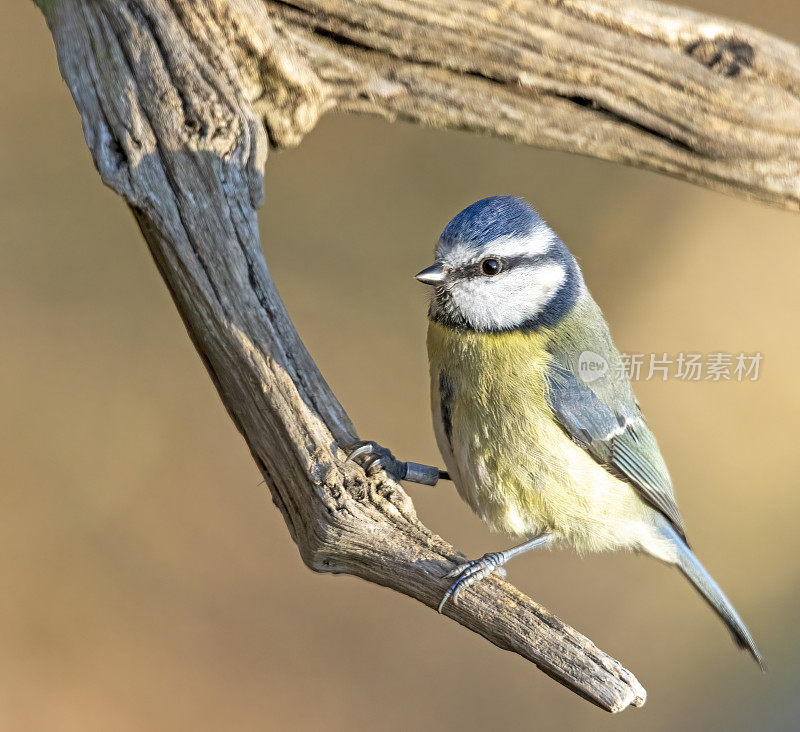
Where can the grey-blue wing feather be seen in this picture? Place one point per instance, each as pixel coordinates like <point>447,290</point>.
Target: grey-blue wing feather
<point>615,435</point>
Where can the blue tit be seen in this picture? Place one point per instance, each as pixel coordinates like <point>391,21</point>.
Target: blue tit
<point>537,444</point>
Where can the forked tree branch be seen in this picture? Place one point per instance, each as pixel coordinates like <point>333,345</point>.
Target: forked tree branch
<point>180,99</point>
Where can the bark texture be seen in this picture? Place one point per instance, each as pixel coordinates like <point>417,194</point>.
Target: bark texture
<point>180,100</point>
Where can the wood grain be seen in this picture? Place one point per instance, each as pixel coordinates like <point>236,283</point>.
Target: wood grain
<point>701,98</point>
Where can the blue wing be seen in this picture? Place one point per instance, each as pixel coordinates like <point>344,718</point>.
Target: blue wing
<point>616,436</point>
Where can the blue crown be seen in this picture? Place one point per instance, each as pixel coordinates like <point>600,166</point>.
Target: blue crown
<point>489,219</point>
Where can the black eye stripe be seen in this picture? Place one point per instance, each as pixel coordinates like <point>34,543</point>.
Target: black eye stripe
<point>521,260</point>
<point>475,269</point>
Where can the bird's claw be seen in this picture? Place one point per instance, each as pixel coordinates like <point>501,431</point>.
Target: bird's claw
<point>470,572</point>
<point>372,457</point>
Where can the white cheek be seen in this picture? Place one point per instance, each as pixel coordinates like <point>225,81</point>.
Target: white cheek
<point>510,298</point>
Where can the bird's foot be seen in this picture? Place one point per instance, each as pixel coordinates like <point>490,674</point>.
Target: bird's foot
<point>470,572</point>
<point>372,458</point>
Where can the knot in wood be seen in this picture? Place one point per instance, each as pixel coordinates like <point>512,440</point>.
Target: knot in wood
<point>727,56</point>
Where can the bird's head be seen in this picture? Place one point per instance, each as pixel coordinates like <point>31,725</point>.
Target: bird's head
<point>500,267</point>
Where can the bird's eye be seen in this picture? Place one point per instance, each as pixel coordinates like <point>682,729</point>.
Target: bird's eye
<point>490,266</point>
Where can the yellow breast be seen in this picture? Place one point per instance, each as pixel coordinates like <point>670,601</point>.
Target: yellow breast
<point>508,456</point>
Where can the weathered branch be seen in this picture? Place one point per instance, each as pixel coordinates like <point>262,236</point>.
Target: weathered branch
<point>178,98</point>
<point>702,98</point>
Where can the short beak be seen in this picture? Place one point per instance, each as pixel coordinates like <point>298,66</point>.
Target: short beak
<point>433,275</point>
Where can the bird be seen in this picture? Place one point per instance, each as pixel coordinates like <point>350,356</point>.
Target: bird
<point>533,410</point>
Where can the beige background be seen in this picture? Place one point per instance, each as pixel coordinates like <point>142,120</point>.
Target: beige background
<point>148,582</point>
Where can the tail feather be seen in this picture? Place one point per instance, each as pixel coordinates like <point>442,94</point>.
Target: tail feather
<point>714,596</point>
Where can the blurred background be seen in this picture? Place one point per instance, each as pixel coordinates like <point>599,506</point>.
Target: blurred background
<point>149,583</point>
